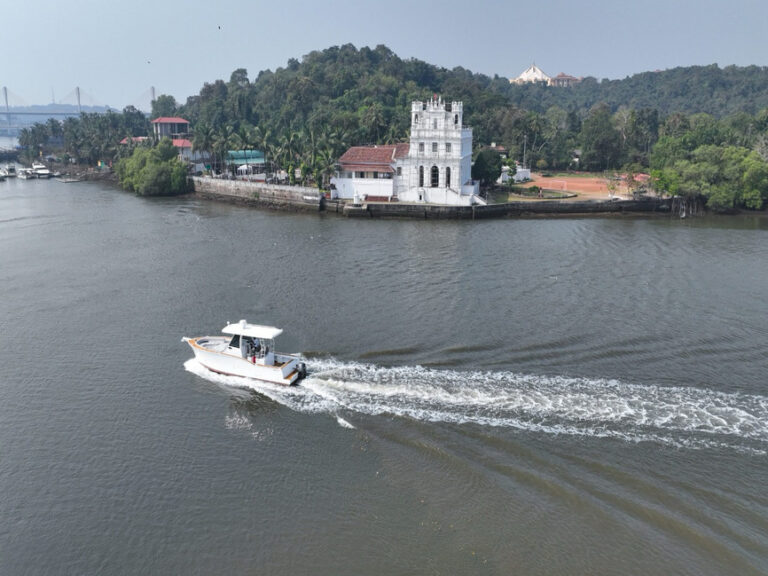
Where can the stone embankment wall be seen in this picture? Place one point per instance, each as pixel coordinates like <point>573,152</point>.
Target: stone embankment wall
<point>512,209</point>
<point>294,198</point>
<point>272,196</point>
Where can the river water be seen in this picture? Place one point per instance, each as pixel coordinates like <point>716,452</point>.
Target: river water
<point>540,396</point>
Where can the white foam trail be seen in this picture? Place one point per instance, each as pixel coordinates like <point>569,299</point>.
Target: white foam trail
<point>676,416</point>
<point>343,423</point>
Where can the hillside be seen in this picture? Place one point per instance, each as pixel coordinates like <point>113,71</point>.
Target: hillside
<point>690,90</point>
<point>367,92</point>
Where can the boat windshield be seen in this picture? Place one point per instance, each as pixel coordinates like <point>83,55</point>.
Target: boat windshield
<point>235,342</point>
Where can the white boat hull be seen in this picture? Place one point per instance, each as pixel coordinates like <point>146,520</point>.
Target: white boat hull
<point>211,352</point>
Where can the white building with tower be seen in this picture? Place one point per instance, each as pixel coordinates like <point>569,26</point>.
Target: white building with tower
<point>434,168</point>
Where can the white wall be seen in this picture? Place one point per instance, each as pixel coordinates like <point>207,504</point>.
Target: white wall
<point>439,196</point>
<point>346,187</point>
<point>522,174</point>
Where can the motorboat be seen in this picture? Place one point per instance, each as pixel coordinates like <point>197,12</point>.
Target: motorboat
<point>26,173</point>
<point>9,171</point>
<point>248,350</point>
<point>41,170</point>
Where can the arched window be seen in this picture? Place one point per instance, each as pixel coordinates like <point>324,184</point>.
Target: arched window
<point>421,176</point>
<point>415,118</point>
<point>434,124</point>
<point>455,118</point>
<point>447,177</point>
<point>434,177</point>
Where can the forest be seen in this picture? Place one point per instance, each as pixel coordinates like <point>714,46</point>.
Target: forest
<point>699,131</point>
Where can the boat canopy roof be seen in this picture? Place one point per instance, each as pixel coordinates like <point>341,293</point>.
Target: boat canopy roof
<point>253,330</point>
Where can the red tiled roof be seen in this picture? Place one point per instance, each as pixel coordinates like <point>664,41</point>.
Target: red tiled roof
<point>367,167</point>
<point>182,143</point>
<point>132,139</point>
<point>170,120</point>
<point>368,155</point>
<point>373,158</point>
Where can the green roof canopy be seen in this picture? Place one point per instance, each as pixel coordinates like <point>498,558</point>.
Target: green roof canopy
<point>240,157</point>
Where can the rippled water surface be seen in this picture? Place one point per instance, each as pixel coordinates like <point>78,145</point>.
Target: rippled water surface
<point>564,396</point>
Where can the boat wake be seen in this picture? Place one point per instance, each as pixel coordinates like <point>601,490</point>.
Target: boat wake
<point>602,408</point>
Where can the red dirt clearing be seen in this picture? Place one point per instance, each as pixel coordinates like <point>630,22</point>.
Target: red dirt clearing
<point>585,187</point>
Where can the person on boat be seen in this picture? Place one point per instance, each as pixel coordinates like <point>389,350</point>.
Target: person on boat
<point>246,346</point>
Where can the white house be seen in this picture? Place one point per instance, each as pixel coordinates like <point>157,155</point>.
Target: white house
<point>170,127</point>
<point>434,168</point>
<point>368,172</point>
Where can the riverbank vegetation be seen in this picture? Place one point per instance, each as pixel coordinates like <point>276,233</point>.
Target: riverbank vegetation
<point>153,170</point>
<point>700,131</point>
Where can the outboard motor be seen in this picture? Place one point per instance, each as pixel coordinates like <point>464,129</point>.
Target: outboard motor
<point>302,370</point>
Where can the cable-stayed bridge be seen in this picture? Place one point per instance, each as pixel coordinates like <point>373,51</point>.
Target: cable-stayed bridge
<point>16,113</point>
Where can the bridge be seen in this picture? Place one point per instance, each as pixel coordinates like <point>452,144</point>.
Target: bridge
<point>18,114</point>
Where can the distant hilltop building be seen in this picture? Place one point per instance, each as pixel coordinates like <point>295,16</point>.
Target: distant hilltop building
<point>534,74</point>
<point>563,80</point>
<point>531,75</point>
<point>434,168</point>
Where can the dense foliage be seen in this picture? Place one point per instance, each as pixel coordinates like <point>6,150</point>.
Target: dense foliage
<point>694,89</point>
<point>153,170</point>
<point>701,130</point>
<point>487,166</point>
<point>90,137</point>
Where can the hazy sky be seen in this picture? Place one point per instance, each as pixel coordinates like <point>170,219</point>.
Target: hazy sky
<point>114,51</point>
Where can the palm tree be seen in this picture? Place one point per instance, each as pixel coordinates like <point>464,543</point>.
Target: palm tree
<point>203,138</point>
<point>237,142</point>
<point>373,119</point>
<point>325,166</point>
<point>277,153</point>
<point>394,135</point>
<point>221,142</point>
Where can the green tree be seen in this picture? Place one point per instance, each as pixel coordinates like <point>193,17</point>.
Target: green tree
<point>153,171</point>
<point>164,106</point>
<point>600,140</point>
<point>487,166</point>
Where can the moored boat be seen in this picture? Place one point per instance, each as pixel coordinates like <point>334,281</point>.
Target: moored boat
<point>10,171</point>
<point>26,173</point>
<point>41,170</point>
<point>247,350</point>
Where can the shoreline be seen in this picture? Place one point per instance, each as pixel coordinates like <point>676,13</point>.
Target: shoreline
<point>301,199</point>
<point>298,198</point>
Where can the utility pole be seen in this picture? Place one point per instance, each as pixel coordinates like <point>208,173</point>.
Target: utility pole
<point>525,144</point>
<point>7,109</point>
